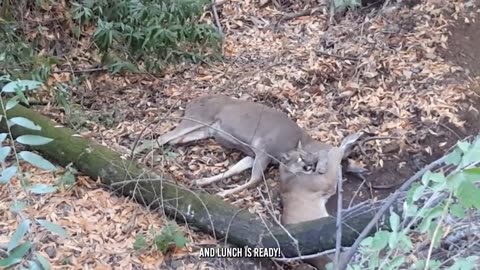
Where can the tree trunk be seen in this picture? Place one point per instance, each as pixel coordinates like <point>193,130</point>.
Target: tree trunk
<point>156,189</point>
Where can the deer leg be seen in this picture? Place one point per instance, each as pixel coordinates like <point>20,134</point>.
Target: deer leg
<point>242,165</point>
<point>187,129</point>
<point>199,134</point>
<point>259,165</point>
<point>349,142</point>
<point>184,129</point>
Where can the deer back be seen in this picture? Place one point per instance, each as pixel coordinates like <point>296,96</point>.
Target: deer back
<point>205,109</point>
<point>235,123</point>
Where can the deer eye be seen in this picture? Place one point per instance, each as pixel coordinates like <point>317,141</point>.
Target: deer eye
<point>307,168</point>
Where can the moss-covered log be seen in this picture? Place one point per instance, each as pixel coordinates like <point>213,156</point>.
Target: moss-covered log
<point>207,212</point>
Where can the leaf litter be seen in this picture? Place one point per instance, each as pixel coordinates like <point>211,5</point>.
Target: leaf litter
<point>377,71</point>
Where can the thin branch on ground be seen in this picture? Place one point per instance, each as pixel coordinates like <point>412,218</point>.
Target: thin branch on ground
<point>86,70</point>
<point>338,244</point>
<point>230,224</point>
<point>306,12</point>
<point>332,12</point>
<point>137,140</point>
<point>451,130</point>
<point>437,228</point>
<point>306,257</point>
<point>215,16</point>
<point>357,191</point>
<point>276,221</point>
<point>318,52</point>
<point>362,142</point>
<point>217,3</point>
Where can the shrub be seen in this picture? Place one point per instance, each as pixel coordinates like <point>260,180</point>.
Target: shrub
<point>154,32</point>
<point>443,206</point>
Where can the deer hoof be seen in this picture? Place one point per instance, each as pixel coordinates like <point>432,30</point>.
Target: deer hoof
<point>199,182</point>
<point>223,194</point>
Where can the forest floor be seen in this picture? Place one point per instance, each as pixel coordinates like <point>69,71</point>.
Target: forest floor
<point>408,74</point>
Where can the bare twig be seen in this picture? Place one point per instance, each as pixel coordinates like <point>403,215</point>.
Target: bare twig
<point>437,228</point>
<point>230,224</point>
<point>338,244</point>
<point>332,11</point>
<point>379,138</point>
<point>348,256</point>
<point>361,143</point>
<point>355,194</point>
<point>386,187</point>
<point>294,240</point>
<point>87,70</point>
<point>306,257</point>
<point>318,52</point>
<point>306,12</point>
<point>230,64</point>
<point>217,3</point>
<point>169,112</point>
<point>215,15</point>
<point>451,130</point>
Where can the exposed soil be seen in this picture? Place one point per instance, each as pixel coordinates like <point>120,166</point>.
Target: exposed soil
<point>432,134</point>
<point>463,50</point>
<point>430,138</point>
<point>389,72</point>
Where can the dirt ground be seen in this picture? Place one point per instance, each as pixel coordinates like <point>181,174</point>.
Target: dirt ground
<point>390,73</point>
<point>390,162</point>
<point>463,50</point>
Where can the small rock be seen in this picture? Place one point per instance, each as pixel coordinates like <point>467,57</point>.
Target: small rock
<point>51,252</point>
<point>391,148</point>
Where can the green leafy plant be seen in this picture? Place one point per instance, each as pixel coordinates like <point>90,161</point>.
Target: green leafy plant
<point>21,246</point>
<point>448,194</point>
<point>169,237</point>
<point>155,32</point>
<point>68,177</point>
<point>131,35</point>
<point>344,4</point>
<point>19,58</point>
<point>140,242</point>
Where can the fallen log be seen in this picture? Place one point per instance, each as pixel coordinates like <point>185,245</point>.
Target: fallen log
<point>201,210</point>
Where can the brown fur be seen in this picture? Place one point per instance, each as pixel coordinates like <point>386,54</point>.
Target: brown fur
<point>264,134</point>
<point>308,173</point>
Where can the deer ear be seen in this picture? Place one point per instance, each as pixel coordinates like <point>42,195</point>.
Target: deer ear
<point>322,165</point>
<point>322,161</point>
<point>299,145</point>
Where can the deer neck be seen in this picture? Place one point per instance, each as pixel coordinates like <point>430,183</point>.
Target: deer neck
<point>306,140</point>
